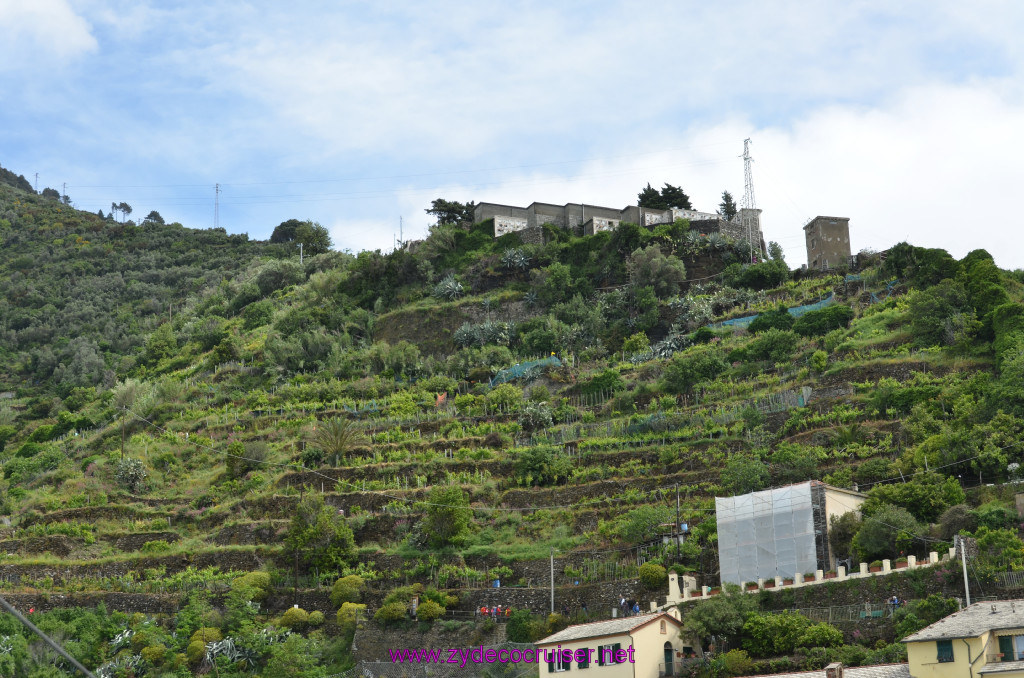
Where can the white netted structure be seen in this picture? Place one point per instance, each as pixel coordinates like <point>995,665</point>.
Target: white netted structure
<point>774,533</point>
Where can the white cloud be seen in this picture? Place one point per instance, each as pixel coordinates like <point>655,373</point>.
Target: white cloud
<point>935,166</point>
<point>41,31</point>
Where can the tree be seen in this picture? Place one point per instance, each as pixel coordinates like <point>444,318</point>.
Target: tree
<point>314,238</point>
<point>318,537</point>
<point>335,437</point>
<point>673,196</point>
<point>294,658</point>
<point>51,193</point>
<point>649,197</point>
<point>670,196</point>
<point>153,218</point>
<point>775,251</point>
<point>887,532</point>
<point>841,531</point>
<point>722,615</point>
<point>447,516</point>
<point>942,315</point>
<point>649,267</point>
<point>743,474</point>
<point>451,212</point>
<point>285,231</point>
<point>727,207</point>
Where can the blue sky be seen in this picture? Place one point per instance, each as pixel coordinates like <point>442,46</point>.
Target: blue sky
<point>905,117</point>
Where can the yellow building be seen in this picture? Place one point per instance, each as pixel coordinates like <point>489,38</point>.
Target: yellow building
<point>985,639</point>
<point>644,646</point>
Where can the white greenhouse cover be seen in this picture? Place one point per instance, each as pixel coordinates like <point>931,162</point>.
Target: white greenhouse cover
<point>766,534</point>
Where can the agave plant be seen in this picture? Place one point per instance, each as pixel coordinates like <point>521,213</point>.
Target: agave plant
<point>448,288</point>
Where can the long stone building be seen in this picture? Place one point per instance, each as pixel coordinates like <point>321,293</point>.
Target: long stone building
<point>584,219</point>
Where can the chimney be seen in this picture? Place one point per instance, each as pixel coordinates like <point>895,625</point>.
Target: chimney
<point>834,670</point>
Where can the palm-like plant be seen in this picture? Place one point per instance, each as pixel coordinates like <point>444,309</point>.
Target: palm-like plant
<point>335,437</point>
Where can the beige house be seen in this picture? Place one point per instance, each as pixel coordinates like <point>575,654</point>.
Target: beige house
<point>645,646</point>
<point>985,639</point>
<point>839,671</point>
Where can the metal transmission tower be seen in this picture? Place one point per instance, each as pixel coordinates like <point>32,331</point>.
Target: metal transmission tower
<point>216,205</point>
<point>750,203</point>
<point>748,177</point>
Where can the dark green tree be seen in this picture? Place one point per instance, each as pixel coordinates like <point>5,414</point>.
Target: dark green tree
<point>649,197</point>
<point>447,516</point>
<point>727,207</point>
<point>451,211</point>
<point>153,218</point>
<point>313,237</point>
<point>318,537</point>
<point>285,231</point>
<point>673,196</point>
<point>743,474</point>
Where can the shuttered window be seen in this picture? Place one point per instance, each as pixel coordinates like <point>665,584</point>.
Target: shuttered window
<point>945,650</point>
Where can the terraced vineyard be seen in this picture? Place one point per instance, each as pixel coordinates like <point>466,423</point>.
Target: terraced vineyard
<point>328,435</point>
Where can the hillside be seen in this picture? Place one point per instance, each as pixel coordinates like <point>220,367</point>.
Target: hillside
<point>202,432</point>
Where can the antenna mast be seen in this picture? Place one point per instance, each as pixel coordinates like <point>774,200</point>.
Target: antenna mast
<point>216,205</point>
<point>749,202</point>
<point>748,178</point>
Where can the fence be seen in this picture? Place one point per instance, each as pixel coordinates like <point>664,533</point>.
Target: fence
<point>1010,580</point>
<point>796,312</point>
<point>849,612</point>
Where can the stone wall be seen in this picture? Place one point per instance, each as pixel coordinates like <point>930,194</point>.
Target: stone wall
<point>371,642</point>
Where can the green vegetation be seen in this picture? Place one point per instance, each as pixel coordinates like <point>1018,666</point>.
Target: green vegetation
<point>196,416</point>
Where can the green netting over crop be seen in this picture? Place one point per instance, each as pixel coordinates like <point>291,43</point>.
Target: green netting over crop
<point>796,312</point>
<point>520,369</point>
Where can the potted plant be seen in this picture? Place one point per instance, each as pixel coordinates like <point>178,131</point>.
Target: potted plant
<point>901,562</point>
<point>875,566</point>
<point>787,581</point>
<point>770,584</point>
<point>715,590</point>
<point>831,574</point>
<point>809,576</point>
<point>751,586</point>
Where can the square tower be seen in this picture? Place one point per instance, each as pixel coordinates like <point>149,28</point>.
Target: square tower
<point>828,242</point>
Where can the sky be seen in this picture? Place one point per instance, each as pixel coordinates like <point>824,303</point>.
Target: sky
<point>907,117</point>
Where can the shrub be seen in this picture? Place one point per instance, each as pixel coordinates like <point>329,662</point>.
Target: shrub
<point>821,322</point>
<point>700,363</point>
<point>316,618</point>
<point>295,618</point>
<point>196,651</point>
<point>770,635</point>
<point>319,537</point>
<point>347,590</point>
<point>608,380</point>
<point>257,314</point>
<point>736,663</point>
<point>652,576</point>
<point>820,635</point>
<point>390,613</point>
<point>156,546</point>
<point>130,473</point>
<point>207,634</point>
<point>257,583</point>
<point>773,345</point>
<point>778,319</point>
<point>154,654</point>
<point>819,361</point>
<point>428,611</point>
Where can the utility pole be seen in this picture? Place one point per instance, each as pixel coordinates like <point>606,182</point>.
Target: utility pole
<point>300,254</point>
<point>37,182</point>
<point>679,527</point>
<point>552,580</point>
<point>123,413</point>
<point>216,205</point>
<point>64,194</point>
<point>963,560</point>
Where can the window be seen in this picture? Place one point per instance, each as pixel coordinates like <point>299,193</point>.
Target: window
<point>945,650</point>
<point>558,662</point>
<point>585,661</point>
<point>606,654</point>
<point>663,626</point>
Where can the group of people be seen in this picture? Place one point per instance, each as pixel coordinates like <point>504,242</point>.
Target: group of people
<point>629,607</point>
<point>494,611</point>
<point>893,603</point>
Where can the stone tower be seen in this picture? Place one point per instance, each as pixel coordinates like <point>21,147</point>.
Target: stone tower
<point>828,242</point>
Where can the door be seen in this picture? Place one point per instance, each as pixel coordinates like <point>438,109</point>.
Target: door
<point>669,654</point>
